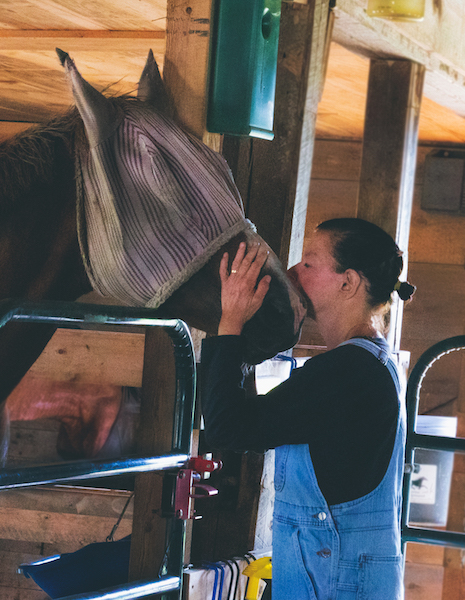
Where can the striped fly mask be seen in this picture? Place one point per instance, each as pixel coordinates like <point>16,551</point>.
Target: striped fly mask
<point>153,203</point>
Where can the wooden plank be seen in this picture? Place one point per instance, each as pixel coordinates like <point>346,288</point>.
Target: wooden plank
<point>435,238</point>
<point>10,562</point>
<point>389,157</point>
<point>453,586</point>
<point>228,523</point>
<point>333,198</point>
<point>120,42</point>
<point>12,594</point>
<point>92,356</point>
<point>72,500</point>
<point>33,442</point>
<point>339,160</point>
<point>8,130</point>
<point>424,554</point>
<point>68,14</point>
<point>34,87</point>
<point>32,34</point>
<point>53,527</point>
<point>423,582</point>
<point>36,548</point>
<point>148,542</point>
<point>274,177</point>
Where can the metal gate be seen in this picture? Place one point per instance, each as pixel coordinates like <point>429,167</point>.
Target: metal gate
<point>430,442</point>
<point>73,315</point>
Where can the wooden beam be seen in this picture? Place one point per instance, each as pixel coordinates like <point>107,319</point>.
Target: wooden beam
<point>92,357</point>
<point>437,43</point>
<point>68,499</point>
<point>185,73</point>
<point>133,44</point>
<point>390,146</point>
<point>389,156</point>
<point>148,542</point>
<point>9,129</point>
<point>54,527</point>
<point>33,34</point>
<point>274,177</point>
<point>186,65</point>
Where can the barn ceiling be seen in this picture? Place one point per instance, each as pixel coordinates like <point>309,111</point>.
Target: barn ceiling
<point>110,39</point>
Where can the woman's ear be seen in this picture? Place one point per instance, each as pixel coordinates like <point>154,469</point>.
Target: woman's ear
<point>351,282</point>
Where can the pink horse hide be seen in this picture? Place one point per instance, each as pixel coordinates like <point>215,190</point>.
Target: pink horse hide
<point>97,420</point>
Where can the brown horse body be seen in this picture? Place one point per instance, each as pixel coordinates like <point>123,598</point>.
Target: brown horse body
<point>40,257</point>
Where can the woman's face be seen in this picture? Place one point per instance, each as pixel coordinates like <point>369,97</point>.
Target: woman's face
<point>316,275</point>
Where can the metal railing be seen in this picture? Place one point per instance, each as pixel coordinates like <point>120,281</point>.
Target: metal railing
<point>428,442</point>
<point>73,315</point>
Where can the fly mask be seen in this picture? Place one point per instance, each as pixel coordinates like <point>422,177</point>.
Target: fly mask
<point>154,203</point>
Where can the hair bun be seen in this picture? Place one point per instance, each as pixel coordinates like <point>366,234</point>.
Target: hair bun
<point>405,290</point>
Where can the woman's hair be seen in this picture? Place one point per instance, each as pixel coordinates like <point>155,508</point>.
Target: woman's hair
<point>367,249</point>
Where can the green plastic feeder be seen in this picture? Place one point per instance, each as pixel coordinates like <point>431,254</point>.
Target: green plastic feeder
<point>243,56</point>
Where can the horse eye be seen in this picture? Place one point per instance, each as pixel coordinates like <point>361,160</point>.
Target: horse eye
<point>306,265</point>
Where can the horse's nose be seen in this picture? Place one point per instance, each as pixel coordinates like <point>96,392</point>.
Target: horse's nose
<point>293,276</point>
<point>298,302</point>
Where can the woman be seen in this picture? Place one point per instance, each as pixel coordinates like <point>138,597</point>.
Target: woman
<point>336,423</point>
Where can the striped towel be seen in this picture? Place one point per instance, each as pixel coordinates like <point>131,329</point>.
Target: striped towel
<point>154,204</point>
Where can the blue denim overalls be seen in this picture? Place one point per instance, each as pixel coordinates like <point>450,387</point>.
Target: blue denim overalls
<point>348,551</point>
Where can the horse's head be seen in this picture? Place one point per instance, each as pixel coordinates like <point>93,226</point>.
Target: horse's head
<point>156,206</point>
<point>276,326</point>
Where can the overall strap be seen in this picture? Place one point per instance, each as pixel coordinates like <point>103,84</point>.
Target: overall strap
<point>382,354</point>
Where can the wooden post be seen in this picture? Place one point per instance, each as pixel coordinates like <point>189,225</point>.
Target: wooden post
<point>186,64</point>
<point>148,541</point>
<point>185,76</point>
<point>274,177</point>
<point>389,156</point>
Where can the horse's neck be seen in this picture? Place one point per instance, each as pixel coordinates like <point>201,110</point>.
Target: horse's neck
<point>39,253</point>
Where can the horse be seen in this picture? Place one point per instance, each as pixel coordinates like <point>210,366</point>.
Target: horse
<point>67,187</point>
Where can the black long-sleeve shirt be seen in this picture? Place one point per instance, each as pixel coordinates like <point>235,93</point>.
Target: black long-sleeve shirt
<point>343,404</point>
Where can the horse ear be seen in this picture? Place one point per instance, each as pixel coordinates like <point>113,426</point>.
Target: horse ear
<point>100,116</point>
<point>152,89</point>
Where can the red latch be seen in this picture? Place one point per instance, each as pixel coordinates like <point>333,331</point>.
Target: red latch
<point>202,465</point>
<point>189,485</point>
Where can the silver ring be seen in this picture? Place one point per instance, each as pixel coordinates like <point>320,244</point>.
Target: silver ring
<point>233,271</point>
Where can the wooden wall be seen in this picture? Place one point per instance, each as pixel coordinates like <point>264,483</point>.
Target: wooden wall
<point>436,254</point>
<point>42,521</point>
<point>67,519</point>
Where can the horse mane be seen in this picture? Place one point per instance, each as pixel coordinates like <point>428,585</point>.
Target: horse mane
<point>29,158</point>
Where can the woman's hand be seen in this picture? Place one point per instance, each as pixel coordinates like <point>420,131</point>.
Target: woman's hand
<point>241,297</point>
